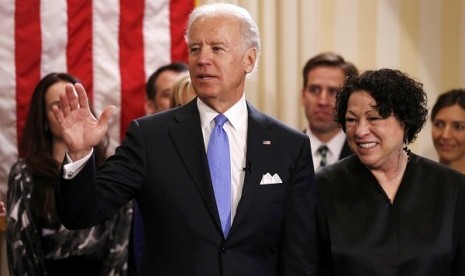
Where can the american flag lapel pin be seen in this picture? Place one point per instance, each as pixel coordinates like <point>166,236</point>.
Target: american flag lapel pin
<point>266,142</point>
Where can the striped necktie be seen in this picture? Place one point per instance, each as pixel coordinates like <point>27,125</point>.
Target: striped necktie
<point>323,151</point>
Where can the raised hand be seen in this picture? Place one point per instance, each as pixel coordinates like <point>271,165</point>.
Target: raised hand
<point>80,129</point>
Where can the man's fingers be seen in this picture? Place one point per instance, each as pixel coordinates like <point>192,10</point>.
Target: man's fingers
<point>64,103</point>
<point>106,114</point>
<point>58,114</point>
<point>75,97</point>
<point>72,97</point>
<point>82,95</point>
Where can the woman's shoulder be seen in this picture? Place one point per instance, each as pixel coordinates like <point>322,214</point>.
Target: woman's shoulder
<point>19,172</point>
<point>433,168</point>
<point>17,169</point>
<point>19,164</point>
<point>436,173</point>
<point>348,171</point>
<point>342,168</point>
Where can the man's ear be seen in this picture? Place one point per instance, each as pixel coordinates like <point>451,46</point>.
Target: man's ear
<point>302,95</point>
<point>249,59</point>
<point>149,106</point>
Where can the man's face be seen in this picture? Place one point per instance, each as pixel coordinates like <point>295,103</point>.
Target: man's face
<point>218,61</point>
<point>319,99</point>
<point>163,85</point>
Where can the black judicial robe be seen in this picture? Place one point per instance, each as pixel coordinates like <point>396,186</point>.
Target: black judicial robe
<point>421,233</point>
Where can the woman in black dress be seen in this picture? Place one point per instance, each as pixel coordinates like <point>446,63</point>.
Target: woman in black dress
<point>37,242</point>
<point>385,210</point>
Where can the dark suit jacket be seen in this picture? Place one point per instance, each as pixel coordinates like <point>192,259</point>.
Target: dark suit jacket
<point>162,163</point>
<point>345,151</point>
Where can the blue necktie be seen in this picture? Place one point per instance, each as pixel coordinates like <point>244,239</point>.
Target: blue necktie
<point>219,163</point>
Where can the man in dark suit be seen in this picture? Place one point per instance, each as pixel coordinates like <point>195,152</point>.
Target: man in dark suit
<point>157,99</point>
<point>167,162</point>
<point>323,76</point>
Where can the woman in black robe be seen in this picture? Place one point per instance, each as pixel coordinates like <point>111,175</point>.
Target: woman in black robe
<point>385,210</point>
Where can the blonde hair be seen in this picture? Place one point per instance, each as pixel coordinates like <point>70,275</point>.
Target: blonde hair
<point>182,92</point>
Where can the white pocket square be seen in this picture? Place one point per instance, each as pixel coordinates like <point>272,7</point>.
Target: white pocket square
<point>268,179</point>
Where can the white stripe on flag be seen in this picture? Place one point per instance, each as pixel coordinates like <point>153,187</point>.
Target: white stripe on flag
<point>8,150</point>
<point>156,35</point>
<point>53,23</point>
<point>107,78</point>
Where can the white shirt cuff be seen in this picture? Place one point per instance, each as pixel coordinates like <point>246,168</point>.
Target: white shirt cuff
<point>71,169</point>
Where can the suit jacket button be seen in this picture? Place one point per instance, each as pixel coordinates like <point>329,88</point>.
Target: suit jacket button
<point>223,250</point>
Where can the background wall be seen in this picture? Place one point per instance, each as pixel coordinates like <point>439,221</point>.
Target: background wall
<point>424,38</point>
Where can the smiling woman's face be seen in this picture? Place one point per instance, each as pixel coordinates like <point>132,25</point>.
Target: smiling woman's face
<point>375,140</point>
<point>448,133</point>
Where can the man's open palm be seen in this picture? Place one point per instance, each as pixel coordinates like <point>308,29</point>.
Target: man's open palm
<point>80,129</point>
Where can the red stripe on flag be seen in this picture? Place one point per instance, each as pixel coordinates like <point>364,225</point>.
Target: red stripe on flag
<point>27,57</point>
<point>179,13</point>
<point>79,48</point>
<point>131,61</point>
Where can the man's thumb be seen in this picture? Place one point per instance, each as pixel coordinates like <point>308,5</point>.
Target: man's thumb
<point>106,114</point>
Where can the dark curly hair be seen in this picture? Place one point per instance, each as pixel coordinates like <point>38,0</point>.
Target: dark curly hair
<point>449,98</point>
<point>394,93</point>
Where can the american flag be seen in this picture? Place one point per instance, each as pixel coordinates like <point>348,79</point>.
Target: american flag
<point>112,46</point>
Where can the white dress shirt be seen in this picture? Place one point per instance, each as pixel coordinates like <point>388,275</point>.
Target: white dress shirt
<point>334,145</point>
<point>236,128</point>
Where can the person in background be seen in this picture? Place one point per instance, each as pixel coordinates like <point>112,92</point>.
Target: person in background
<point>323,76</point>
<point>223,188</point>
<point>157,99</point>
<point>385,210</point>
<point>158,87</point>
<point>182,92</point>
<point>37,242</point>
<point>2,208</point>
<point>448,128</point>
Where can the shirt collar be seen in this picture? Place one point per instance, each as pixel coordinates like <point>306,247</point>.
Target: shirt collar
<point>237,114</point>
<point>334,145</point>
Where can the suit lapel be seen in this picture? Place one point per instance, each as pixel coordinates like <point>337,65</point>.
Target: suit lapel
<point>187,136</point>
<point>260,141</point>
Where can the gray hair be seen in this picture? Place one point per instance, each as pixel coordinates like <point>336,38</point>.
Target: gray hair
<point>248,26</point>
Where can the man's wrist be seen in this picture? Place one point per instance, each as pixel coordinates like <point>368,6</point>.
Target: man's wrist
<point>75,156</point>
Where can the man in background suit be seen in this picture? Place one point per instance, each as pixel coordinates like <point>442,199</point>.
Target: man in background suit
<point>323,76</point>
<point>165,164</point>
